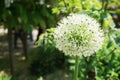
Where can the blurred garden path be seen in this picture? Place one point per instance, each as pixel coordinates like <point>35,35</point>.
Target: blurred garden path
<point>20,65</point>
<point>4,44</point>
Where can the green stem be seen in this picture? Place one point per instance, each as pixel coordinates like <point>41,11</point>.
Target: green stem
<point>76,67</point>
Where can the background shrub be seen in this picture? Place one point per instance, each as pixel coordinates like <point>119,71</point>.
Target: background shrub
<point>47,59</point>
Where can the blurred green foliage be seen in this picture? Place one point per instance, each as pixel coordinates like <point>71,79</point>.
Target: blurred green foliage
<point>28,13</point>
<point>46,60</point>
<point>5,78</point>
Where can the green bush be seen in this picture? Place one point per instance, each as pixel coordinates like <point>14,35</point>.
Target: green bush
<point>47,59</point>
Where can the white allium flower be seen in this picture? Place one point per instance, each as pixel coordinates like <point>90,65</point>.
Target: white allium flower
<point>78,34</point>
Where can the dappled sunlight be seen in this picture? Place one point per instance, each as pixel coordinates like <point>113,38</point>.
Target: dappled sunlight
<point>22,58</point>
<point>3,74</point>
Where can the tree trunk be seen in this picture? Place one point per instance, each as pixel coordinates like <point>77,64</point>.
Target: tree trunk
<point>10,45</point>
<point>25,45</point>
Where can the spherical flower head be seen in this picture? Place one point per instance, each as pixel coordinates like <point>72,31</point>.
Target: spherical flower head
<point>78,35</point>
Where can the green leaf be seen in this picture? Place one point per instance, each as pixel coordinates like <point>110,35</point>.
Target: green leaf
<point>55,10</point>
